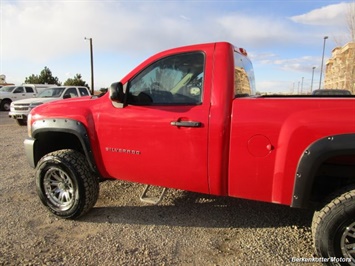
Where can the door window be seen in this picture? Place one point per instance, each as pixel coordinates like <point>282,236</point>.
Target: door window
<point>19,90</point>
<point>70,93</point>
<point>174,80</point>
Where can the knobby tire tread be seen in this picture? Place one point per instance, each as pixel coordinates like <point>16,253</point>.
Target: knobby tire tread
<point>342,197</point>
<point>89,181</point>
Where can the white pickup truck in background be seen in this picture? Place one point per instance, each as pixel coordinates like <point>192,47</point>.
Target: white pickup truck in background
<point>12,93</point>
<point>20,109</point>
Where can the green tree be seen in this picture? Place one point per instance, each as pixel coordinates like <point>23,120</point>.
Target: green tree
<point>76,81</point>
<point>45,77</point>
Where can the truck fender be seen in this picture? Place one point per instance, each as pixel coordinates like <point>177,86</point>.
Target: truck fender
<point>313,156</point>
<point>58,125</point>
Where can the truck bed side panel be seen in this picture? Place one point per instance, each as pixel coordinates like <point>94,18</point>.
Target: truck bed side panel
<point>269,136</point>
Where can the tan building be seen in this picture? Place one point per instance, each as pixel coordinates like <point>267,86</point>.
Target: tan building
<point>340,69</point>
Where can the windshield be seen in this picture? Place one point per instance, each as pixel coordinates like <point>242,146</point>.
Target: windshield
<point>7,88</point>
<point>51,93</point>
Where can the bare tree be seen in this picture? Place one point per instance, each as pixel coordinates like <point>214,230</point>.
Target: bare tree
<point>350,21</point>
<point>349,27</point>
<point>350,75</point>
<point>342,74</point>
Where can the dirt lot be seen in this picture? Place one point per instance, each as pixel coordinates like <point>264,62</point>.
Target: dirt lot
<point>185,229</point>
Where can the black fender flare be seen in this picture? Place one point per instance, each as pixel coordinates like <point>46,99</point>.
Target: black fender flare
<point>66,126</point>
<point>313,156</point>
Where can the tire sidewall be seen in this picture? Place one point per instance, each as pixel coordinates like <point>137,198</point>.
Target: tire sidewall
<point>5,105</point>
<point>22,122</point>
<point>43,167</point>
<point>332,229</point>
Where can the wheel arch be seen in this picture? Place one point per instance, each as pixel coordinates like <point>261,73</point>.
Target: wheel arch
<point>313,158</point>
<point>56,134</point>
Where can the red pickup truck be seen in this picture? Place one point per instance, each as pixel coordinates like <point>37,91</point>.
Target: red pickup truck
<point>188,118</point>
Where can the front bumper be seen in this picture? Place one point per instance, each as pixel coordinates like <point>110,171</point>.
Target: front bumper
<point>19,114</point>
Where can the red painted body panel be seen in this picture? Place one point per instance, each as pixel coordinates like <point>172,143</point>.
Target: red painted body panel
<point>156,152</point>
<point>291,125</point>
<point>246,147</point>
<point>221,105</point>
<point>86,111</point>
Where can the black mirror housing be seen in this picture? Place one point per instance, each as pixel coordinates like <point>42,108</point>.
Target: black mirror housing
<point>116,92</point>
<point>117,95</point>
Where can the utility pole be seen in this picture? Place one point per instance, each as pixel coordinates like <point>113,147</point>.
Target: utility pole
<point>321,67</point>
<point>92,66</point>
<point>312,78</point>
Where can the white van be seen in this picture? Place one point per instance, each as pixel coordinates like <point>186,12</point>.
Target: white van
<point>12,93</point>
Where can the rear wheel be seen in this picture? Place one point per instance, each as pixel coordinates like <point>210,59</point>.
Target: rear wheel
<point>334,229</point>
<point>65,184</point>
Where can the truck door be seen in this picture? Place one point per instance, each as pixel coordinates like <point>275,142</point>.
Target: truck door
<point>19,93</point>
<point>23,92</point>
<point>30,93</point>
<point>160,136</point>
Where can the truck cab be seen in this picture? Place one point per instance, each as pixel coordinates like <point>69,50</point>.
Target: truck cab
<point>188,118</point>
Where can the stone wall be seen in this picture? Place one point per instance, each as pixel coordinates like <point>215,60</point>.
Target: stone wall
<point>340,69</point>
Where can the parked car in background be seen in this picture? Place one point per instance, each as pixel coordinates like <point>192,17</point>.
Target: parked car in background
<point>20,109</point>
<point>12,93</point>
<point>331,92</point>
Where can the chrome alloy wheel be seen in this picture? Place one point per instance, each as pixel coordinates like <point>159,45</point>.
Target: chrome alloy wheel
<point>59,188</point>
<point>347,243</point>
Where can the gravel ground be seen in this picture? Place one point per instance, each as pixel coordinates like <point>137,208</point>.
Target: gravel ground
<point>185,229</point>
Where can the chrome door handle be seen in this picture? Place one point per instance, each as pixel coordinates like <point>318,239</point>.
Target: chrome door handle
<point>186,123</point>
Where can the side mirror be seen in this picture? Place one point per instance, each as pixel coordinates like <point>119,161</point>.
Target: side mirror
<point>116,92</point>
<point>66,96</point>
<point>117,95</point>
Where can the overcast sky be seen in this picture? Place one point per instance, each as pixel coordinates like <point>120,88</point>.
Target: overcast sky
<point>284,39</point>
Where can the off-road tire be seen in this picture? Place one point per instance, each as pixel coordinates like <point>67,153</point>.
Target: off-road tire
<point>333,229</point>
<point>65,184</point>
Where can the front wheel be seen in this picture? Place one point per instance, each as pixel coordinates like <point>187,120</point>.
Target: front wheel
<point>65,184</point>
<point>22,122</point>
<point>5,105</point>
<point>334,229</point>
